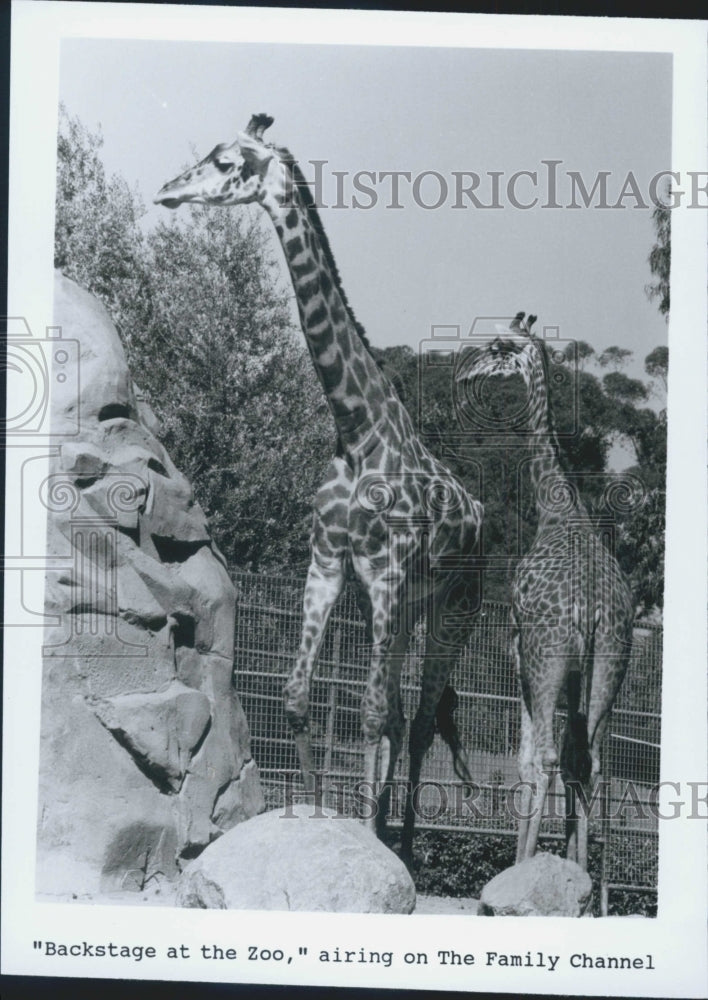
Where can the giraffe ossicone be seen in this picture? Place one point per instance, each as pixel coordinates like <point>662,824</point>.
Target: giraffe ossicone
<point>388,515</point>
<point>571,614</point>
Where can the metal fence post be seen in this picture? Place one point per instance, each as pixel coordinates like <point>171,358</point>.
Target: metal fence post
<point>267,629</point>
<point>605,834</point>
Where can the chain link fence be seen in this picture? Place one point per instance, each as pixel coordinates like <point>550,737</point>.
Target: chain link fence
<point>268,621</point>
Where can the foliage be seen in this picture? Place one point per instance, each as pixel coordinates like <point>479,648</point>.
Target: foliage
<point>656,364</point>
<point>580,350</point>
<point>623,388</point>
<point>97,240</point>
<point>243,415</point>
<point>459,865</point>
<point>643,535</point>
<point>640,547</point>
<point>209,339</point>
<point>590,414</point>
<point>614,357</point>
<point>660,260</point>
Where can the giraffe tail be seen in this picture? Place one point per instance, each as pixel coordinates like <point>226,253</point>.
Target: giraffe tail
<point>576,762</point>
<point>446,726</point>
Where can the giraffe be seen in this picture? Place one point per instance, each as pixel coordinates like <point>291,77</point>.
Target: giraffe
<point>571,613</point>
<point>388,515</point>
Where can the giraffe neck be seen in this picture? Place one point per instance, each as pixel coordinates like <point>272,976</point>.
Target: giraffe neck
<point>557,500</point>
<point>358,392</point>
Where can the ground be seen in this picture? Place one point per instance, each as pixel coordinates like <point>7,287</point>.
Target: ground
<point>164,895</point>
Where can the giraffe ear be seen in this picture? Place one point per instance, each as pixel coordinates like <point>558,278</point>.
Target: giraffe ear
<point>256,155</point>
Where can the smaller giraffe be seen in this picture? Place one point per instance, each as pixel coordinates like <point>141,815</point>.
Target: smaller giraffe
<point>572,609</point>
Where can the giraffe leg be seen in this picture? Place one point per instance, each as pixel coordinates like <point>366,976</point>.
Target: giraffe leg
<point>440,659</point>
<point>374,714</point>
<point>545,764</point>
<point>571,823</point>
<point>325,579</point>
<point>421,737</point>
<point>589,781</point>
<point>393,732</point>
<point>450,620</point>
<point>527,774</point>
<point>575,769</point>
<point>610,660</point>
<point>527,749</point>
<point>543,700</point>
<point>385,586</point>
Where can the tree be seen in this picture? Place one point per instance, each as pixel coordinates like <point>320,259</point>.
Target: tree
<point>243,414</point>
<point>656,364</point>
<point>614,357</point>
<point>580,350</point>
<point>209,339</point>
<point>624,389</point>
<point>660,260</point>
<point>640,548</point>
<point>641,535</point>
<point>640,527</point>
<point>97,239</point>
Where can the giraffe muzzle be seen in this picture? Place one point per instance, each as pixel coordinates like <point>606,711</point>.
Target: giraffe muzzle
<point>166,201</point>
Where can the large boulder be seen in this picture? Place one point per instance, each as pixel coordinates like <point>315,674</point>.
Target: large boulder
<point>298,859</point>
<point>145,754</point>
<point>542,886</point>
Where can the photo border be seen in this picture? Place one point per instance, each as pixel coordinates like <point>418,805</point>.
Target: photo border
<point>676,937</point>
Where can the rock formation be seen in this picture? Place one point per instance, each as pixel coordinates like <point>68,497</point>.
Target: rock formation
<point>145,755</point>
<point>298,859</point>
<point>542,886</point>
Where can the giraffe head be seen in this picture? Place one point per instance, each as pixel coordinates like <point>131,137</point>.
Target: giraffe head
<point>513,351</point>
<point>232,174</point>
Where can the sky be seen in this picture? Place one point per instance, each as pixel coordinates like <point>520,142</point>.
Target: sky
<point>448,111</point>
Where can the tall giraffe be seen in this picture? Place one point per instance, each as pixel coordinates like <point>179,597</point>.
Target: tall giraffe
<point>571,612</point>
<point>388,513</point>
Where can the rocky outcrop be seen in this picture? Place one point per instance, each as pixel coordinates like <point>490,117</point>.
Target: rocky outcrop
<point>542,886</point>
<point>145,755</point>
<point>298,859</point>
